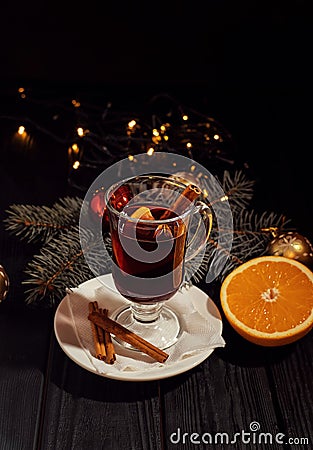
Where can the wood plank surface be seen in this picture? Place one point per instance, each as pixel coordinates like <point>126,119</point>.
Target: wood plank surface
<point>242,388</point>
<point>218,400</point>
<point>292,384</point>
<point>24,349</point>
<point>84,410</point>
<point>23,355</point>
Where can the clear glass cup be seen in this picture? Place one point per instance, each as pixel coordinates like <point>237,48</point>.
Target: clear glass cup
<point>151,238</point>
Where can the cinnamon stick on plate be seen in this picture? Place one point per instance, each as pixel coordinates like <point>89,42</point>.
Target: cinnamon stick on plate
<point>104,347</point>
<point>97,334</point>
<point>109,347</point>
<point>128,336</point>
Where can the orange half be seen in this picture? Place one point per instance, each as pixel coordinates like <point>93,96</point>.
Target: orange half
<point>269,300</point>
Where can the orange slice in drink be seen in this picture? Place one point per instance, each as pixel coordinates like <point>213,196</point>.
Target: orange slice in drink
<point>143,213</point>
<point>269,300</point>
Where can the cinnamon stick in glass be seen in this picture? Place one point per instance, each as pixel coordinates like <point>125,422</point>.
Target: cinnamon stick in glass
<point>189,194</point>
<point>128,336</point>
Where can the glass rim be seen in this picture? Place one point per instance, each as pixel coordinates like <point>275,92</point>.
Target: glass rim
<point>124,215</point>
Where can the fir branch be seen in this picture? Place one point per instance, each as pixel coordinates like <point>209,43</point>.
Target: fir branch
<point>59,265</point>
<point>226,198</point>
<point>250,239</point>
<point>40,223</point>
<point>201,263</point>
<point>237,188</point>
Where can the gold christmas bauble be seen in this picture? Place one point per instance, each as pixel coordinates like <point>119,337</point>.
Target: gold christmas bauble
<point>4,283</point>
<point>294,246</point>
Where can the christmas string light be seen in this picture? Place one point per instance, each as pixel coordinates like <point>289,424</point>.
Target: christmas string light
<point>21,130</point>
<point>106,135</point>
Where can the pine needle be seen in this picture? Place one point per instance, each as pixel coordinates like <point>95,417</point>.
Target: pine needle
<point>40,223</point>
<point>250,238</point>
<point>237,188</point>
<point>60,265</point>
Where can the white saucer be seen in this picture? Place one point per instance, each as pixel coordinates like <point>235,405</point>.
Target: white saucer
<point>67,339</point>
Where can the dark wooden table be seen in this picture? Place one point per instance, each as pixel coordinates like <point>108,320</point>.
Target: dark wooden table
<point>49,402</point>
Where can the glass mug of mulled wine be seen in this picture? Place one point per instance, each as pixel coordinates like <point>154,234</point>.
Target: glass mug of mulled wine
<point>150,219</point>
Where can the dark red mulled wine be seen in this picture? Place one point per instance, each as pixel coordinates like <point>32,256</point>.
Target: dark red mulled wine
<point>148,255</point>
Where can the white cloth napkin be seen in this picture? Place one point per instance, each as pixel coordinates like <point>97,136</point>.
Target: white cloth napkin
<point>199,333</point>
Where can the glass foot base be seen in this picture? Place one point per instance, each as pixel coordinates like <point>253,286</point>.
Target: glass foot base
<point>163,331</point>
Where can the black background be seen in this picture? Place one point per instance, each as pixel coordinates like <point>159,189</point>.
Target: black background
<point>245,63</point>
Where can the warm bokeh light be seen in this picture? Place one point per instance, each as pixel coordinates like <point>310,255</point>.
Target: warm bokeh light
<point>75,148</point>
<point>132,124</point>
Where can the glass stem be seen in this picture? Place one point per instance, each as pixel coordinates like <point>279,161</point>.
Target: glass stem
<point>143,312</point>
